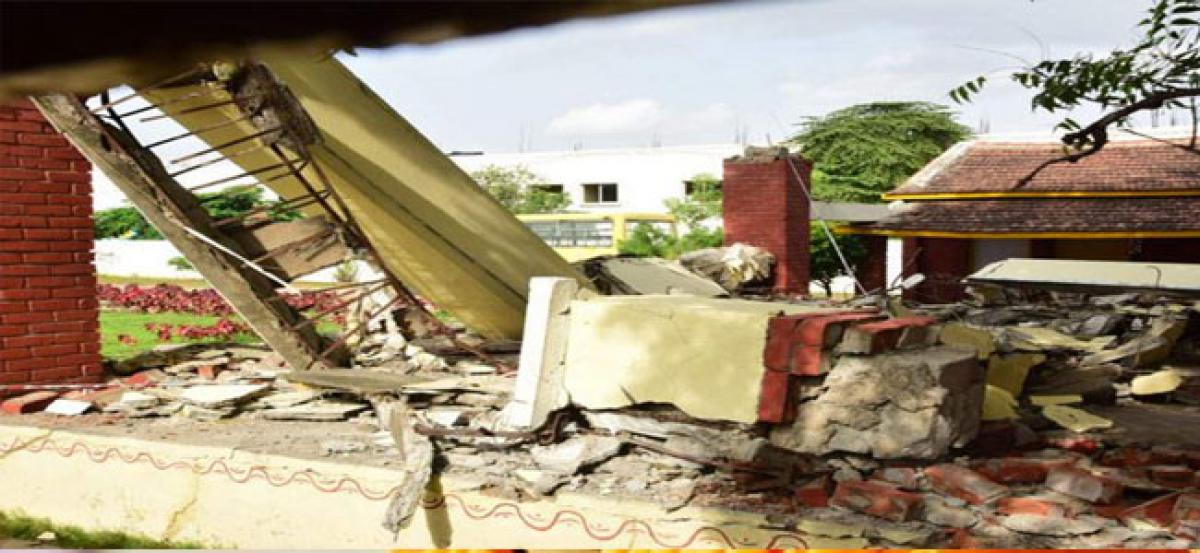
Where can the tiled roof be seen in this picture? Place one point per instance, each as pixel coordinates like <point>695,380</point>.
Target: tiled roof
<point>1055,215</point>
<point>1122,166</point>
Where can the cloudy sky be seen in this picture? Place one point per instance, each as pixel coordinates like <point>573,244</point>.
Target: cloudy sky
<point>707,74</point>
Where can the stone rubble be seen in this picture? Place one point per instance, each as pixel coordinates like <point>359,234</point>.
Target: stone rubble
<point>892,444</point>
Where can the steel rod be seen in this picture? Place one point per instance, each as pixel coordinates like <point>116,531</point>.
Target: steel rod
<point>216,160</point>
<point>225,145</point>
<point>139,91</point>
<point>235,177</point>
<point>196,132</point>
<point>340,306</point>
<point>175,100</point>
<point>165,115</point>
<point>346,336</point>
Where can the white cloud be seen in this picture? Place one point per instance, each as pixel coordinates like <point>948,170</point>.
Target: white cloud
<point>601,118</point>
<point>713,116</point>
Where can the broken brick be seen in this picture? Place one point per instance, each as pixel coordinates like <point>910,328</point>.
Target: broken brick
<point>145,378</point>
<point>210,372</point>
<point>1020,470</point>
<point>1175,477</point>
<point>1074,443</point>
<point>1187,507</point>
<point>28,403</point>
<point>1186,529</point>
<point>1084,484</point>
<point>1159,511</point>
<point>964,484</point>
<point>1127,457</point>
<point>1030,506</point>
<point>876,498</point>
<point>815,493</point>
<point>881,336</point>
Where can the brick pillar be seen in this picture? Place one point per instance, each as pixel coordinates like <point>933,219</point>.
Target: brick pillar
<point>48,307</point>
<point>764,206</point>
<point>872,272</point>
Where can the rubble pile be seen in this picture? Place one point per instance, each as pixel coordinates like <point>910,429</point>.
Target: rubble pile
<point>967,425</point>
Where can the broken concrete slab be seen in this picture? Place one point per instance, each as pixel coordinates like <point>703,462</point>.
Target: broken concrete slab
<point>1054,525</point>
<point>576,453</point>
<point>1075,420</point>
<point>539,386</point>
<point>1010,371</point>
<point>978,339</point>
<point>221,395</point>
<point>321,410</point>
<point>1039,339</point>
<point>68,407</point>
<point>363,381</point>
<point>998,405</point>
<point>902,404</point>
<point>1159,382</point>
<point>704,356</point>
<point>1084,484</point>
<point>647,276</point>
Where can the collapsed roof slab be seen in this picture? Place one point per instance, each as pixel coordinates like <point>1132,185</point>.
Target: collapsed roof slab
<point>1124,276</point>
<point>433,227</point>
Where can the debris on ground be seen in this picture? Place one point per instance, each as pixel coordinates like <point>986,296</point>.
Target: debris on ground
<point>1016,418</point>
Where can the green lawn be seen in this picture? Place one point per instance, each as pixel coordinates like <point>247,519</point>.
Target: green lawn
<point>115,322</point>
<point>20,527</point>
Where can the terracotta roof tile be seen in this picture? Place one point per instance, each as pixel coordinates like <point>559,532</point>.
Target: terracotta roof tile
<point>1050,215</point>
<point>1140,165</point>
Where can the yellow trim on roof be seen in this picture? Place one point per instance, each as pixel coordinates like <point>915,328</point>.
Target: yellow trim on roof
<point>598,216</point>
<point>1040,194</point>
<point>847,229</point>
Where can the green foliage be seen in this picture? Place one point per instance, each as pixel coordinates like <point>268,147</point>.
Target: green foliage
<point>127,222</point>
<point>181,263</point>
<point>124,222</point>
<point>866,150</point>
<point>346,271</point>
<point>1161,69</point>
<point>516,189</point>
<point>699,238</point>
<point>703,203</point>
<point>646,240</point>
<point>824,264</point>
<point>25,528</point>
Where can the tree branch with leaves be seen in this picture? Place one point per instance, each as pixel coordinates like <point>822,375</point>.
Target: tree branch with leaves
<point>1161,71</point>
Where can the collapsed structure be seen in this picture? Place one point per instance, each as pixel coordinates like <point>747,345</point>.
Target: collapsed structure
<point>842,424</point>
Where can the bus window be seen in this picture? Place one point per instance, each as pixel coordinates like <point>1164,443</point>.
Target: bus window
<point>594,234</point>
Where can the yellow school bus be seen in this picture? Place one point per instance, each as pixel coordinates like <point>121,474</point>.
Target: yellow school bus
<point>577,236</point>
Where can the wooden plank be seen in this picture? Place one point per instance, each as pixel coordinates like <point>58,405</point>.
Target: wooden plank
<point>172,209</point>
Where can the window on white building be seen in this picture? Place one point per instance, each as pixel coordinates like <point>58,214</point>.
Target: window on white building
<point>600,193</point>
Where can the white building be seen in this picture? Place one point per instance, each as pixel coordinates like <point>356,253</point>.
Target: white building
<point>620,179</point>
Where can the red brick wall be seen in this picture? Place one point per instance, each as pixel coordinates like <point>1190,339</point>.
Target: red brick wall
<point>764,206</point>
<point>944,262</point>
<point>48,307</point>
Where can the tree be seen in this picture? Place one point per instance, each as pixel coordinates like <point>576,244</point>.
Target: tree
<point>1162,70</point>
<point>516,189</point>
<point>704,201</point>
<point>866,150</point>
<point>823,264</point>
<point>127,222</point>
